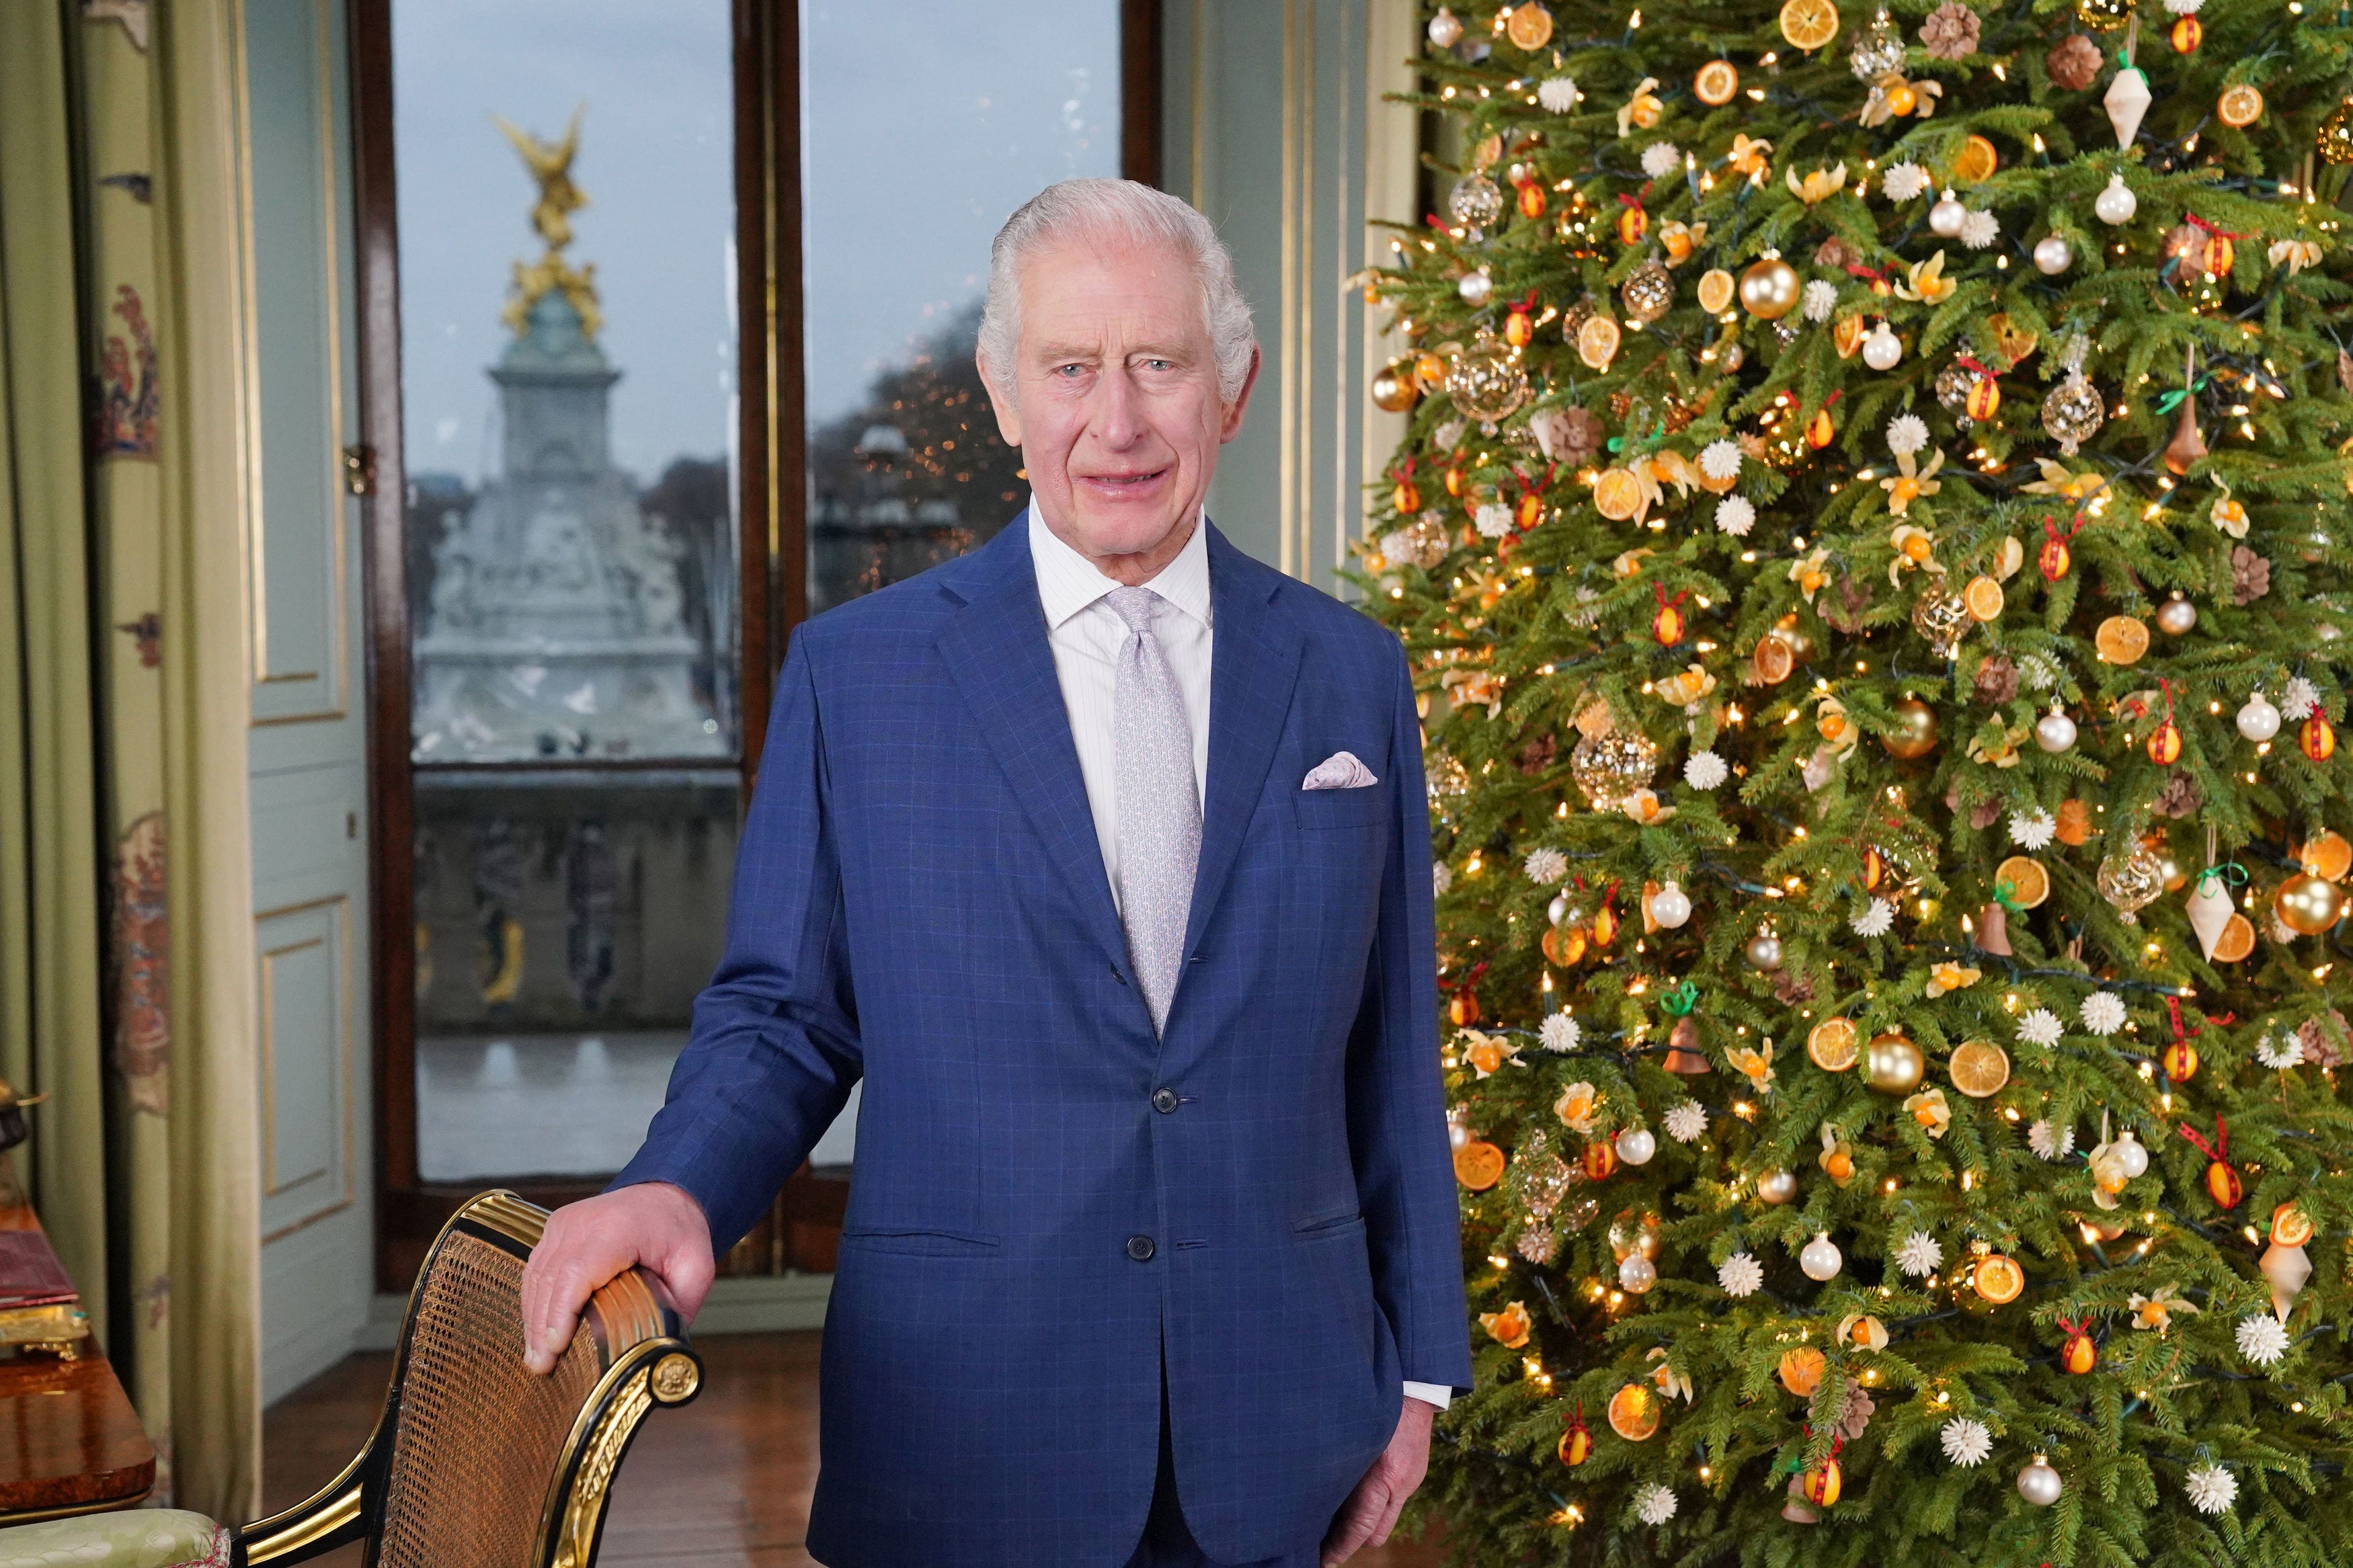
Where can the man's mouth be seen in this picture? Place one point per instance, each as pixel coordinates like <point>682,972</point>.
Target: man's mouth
<point>1124,481</point>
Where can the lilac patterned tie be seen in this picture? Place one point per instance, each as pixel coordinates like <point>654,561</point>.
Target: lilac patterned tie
<point>1160,812</point>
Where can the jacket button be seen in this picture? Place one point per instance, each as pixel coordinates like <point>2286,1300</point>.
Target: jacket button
<point>1163,1101</point>
<point>1140,1248</point>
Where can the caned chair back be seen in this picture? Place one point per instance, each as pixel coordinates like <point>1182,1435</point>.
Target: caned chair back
<point>476,1462</point>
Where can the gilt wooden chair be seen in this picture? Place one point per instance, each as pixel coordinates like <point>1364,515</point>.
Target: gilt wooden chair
<point>475,1462</point>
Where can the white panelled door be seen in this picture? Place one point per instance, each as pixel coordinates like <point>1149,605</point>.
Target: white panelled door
<point>307,744</point>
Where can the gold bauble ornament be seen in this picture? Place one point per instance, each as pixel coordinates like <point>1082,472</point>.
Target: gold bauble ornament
<point>2308,905</point>
<point>1893,1065</point>
<point>1648,293</point>
<point>1915,735</point>
<point>2335,141</point>
<point>1486,382</point>
<point>1943,617</point>
<point>1770,290</point>
<point>1393,389</point>
<point>1609,767</point>
<point>2104,14</point>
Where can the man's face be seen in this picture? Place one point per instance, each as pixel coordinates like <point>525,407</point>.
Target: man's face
<point>1115,399</point>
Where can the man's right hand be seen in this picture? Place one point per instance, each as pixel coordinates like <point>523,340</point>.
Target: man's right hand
<point>652,1225</point>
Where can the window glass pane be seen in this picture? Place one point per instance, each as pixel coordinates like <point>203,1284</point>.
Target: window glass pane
<point>565,179</point>
<point>921,136</point>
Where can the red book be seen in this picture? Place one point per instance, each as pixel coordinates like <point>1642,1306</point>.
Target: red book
<point>30,1274</point>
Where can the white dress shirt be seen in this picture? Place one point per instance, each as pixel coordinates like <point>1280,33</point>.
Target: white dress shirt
<point>1086,636</point>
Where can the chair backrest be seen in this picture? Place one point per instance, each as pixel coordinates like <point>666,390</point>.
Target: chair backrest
<point>476,1462</point>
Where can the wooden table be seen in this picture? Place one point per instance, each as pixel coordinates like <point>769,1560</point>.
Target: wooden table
<point>69,1441</point>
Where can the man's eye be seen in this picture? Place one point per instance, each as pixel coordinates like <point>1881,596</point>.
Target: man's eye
<point>1158,364</point>
<point>1067,371</point>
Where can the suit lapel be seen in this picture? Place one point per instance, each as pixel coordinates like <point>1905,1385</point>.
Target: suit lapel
<point>997,653</point>
<point>1252,671</point>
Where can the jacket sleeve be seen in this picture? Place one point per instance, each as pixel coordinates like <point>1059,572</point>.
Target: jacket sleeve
<point>774,1049</point>
<point>1396,1099</point>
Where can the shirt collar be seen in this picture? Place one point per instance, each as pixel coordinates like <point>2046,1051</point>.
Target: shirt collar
<point>1067,581</point>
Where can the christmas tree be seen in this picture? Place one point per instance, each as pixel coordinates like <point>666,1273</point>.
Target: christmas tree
<point>1872,536</point>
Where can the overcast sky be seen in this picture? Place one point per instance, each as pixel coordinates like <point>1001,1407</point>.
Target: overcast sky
<point>926,122</point>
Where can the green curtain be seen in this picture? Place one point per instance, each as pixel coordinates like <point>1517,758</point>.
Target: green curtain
<point>50,1034</point>
<point>126,951</point>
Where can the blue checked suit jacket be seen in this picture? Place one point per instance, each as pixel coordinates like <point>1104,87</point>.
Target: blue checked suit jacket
<point>919,899</point>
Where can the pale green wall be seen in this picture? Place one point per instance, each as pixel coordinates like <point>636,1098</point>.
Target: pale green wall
<point>1274,127</point>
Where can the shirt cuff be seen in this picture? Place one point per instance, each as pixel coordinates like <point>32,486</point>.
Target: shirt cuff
<point>1436,1393</point>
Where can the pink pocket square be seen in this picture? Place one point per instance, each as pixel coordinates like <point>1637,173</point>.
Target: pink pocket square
<point>1341,770</point>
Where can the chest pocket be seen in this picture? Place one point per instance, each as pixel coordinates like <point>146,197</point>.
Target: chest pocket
<point>1362,807</point>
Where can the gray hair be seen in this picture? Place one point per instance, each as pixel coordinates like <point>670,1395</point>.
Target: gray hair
<point>1126,210</point>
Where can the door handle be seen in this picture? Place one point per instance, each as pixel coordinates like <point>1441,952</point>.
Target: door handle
<point>359,470</point>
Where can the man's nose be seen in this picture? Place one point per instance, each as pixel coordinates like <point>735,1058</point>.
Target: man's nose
<point>1119,414</point>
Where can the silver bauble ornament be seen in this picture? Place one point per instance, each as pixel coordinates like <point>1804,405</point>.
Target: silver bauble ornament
<point>1636,1275</point>
<point>1883,348</point>
<point>1765,951</point>
<point>2130,1154</point>
<point>1878,49</point>
<point>1778,1186</point>
<point>1942,616</point>
<point>2039,1484</point>
<point>2175,618</point>
<point>2259,719</point>
<point>1636,1145</point>
<point>1944,219</point>
<point>2115,204</point>
<point>1608,767</point>
<point>2053,255</point>
<point>1557,910</point>
<point>1476,288</point>
<point>1445,28</point>
<point>1671,907</point>
<point>1476,200</point>
<point>1820,1259</point>
<point>2054,731</point>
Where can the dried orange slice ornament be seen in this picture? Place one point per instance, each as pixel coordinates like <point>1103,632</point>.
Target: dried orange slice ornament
<point>2328,856</point>
<point>2241,106</point>
<point>1984,598</point>
<point>2121,639</point>
<point>2237,941</point>
<point>1634,1413</point>
<point>1809,24</point>
<point>1833,1045</point>
<point>1717,82</point>
<point>1597,341</point>
<point>1478,1164</point>
<point>2030,884</point>
<point>1617,494</point>
<point>1998,1279</point>
<point>1715,287</point>
<point>1979,1068</point>
<point>1801,1370</point>
<point>1976,161</point>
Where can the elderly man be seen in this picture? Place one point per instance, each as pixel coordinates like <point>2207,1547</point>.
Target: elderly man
<point>1101,855</point>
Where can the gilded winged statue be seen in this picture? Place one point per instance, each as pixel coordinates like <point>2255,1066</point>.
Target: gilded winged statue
<point>550,163</point>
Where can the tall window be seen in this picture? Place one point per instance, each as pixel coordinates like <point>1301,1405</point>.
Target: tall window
<point>568,352</point>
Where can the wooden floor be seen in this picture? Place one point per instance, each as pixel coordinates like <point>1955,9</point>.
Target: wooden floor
<point>723,1483</point>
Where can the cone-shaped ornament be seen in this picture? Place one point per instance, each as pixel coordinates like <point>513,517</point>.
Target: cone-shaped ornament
<point>2187,446</point>
<point>1682,1049</point>
<point>2209,913</point>
<point>2128,100</point>
<point>2287,1269</point>
<point>1993,930</point>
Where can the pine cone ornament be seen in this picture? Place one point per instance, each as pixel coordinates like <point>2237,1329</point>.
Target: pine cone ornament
<point>1996,680</point>
<point>1793,989</point>
<point>2320,1042</point>
<point>2073,63</point>
<point>1950,33</point>
<point>1858,1413</point>
<point>1568,435</point>
<point>2179,798</point>
<point>1537,755</point>
<point>1837,253</point>
<point>1985,814</point>
<point>2251,576</point>
<point>1844,611</point>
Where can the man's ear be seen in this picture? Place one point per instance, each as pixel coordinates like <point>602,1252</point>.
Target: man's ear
<point>1233,417</point>
<point>1008,413</point>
